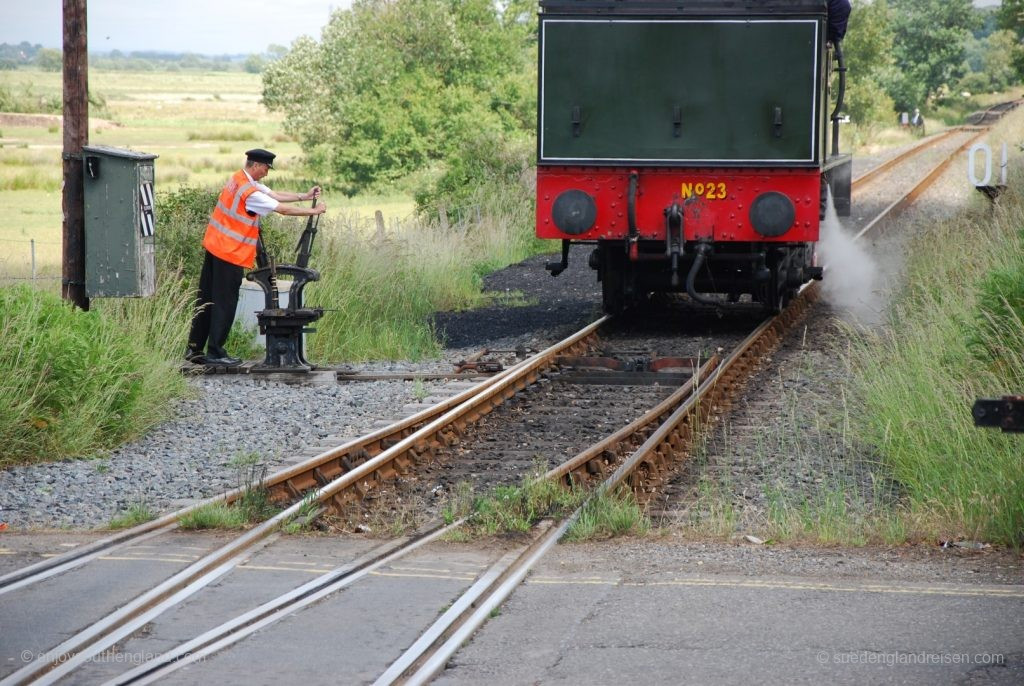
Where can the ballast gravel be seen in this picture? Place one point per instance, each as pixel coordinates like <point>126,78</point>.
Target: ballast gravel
<point>229,428</point>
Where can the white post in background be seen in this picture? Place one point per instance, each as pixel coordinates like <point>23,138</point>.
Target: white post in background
<point>32,251</point>
<point>1002,167</point>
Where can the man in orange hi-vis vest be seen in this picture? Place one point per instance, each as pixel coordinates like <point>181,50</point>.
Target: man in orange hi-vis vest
<point>230,243</point>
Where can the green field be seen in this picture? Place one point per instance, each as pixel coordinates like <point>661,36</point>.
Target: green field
<point>199,123</point>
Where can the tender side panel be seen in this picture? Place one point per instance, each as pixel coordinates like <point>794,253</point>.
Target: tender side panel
<point>679,91</point>
<point>717,201</point>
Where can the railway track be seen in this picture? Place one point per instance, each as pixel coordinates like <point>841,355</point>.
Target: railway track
<point>643,454</point>
<point>993,114</point>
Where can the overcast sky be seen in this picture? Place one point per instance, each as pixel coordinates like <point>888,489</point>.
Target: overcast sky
<point>209,27</point>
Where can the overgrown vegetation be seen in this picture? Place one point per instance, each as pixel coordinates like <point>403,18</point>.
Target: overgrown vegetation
<point>956,334</point>
<point>608,515</point>
<point>74,382</point>
<point>516,509</point>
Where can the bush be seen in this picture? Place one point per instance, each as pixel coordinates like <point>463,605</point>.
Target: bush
<point>182,217</point>
<point>483,167</point>
<point>867,103</point>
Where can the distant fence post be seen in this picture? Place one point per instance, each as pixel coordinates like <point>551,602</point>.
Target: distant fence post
<point>378,216</point>
<point>32,252</point>
<point>442,212</point>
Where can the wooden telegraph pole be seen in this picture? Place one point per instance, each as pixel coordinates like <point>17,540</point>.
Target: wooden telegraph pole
<point>76,135</point>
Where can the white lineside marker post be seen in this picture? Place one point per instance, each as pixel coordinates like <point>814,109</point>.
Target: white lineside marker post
<point>985,185</point>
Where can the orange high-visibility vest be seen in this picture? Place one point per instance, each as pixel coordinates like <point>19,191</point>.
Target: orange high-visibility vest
<point>233,232</point>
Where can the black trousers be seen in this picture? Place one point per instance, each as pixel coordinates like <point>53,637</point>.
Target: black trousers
<point>216,301</point>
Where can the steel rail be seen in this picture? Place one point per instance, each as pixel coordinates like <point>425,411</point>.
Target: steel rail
<point>286,479</point>
<point>886,166</point>
<point>229,632</point>
<point>919,188</point>
<point>79,648</point>
<point>709,391</point>
<point>288,482</point>
<point>236,629</point>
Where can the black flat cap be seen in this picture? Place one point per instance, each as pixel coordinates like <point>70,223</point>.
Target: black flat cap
<point>261,155</point>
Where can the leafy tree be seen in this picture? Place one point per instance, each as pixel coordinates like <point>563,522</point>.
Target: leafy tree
<point>1011,16</point>
<point>868,49</point>
<point>394,85</point>
<point>49,59</point>
<point>929,50</point>
<point>992,62</point>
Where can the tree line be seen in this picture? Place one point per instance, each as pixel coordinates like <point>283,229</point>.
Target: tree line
<point>25,54</point>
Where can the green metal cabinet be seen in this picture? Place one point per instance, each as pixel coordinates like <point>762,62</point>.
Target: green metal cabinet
<point>120,249</point>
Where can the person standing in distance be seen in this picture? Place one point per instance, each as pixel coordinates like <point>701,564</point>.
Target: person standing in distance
<point>230,245</point>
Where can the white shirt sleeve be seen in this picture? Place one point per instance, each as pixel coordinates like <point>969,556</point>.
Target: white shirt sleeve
<point>259,202</point>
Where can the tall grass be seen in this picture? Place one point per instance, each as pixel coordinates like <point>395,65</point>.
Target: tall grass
<point>74,382</point>
<point>608,515</point>
<point>515,509</point>
<point>382,293</point>
<point>919,379</point>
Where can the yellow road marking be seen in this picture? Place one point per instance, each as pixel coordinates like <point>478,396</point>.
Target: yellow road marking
<point>133,558</point>
<point>437,570</point>
<point>278,568</point>
<point>426,576</point>
<point>1009,592</point>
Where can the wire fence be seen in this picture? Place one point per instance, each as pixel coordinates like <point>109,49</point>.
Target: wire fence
<point>29,260</point>
<point>34,260</point>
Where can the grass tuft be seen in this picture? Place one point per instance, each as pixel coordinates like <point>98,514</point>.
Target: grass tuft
<point>514,509</point>
<point>608,515</point>
<point>213,516</point>
<point>137,513</point>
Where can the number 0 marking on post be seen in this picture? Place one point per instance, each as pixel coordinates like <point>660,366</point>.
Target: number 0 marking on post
<point>972,175</point>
